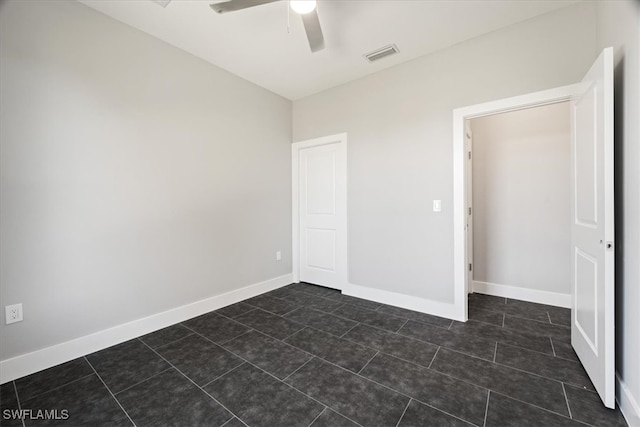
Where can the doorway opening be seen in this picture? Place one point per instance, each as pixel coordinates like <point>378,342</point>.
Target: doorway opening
<point>519,204</point>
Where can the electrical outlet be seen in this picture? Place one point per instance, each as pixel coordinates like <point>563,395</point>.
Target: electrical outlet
<point>278,256</point>
<point>13,313</point>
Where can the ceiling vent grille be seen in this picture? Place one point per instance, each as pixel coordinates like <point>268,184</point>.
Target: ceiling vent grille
<point>383,52</point>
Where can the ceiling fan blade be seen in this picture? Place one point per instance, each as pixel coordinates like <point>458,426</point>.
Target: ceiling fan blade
<point>314,32</point>
<point>233,5</point>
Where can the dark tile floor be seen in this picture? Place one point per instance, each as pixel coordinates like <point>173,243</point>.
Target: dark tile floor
<point>304,355</point>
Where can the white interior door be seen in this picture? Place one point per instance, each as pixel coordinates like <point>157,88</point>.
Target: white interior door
<point>321,166</point>
<point>592,330</point>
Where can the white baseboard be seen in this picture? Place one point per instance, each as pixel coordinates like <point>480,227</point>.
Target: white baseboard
<point>524,294</point>
<point>423,305</point>
<point>627,403</point>
<point>26,364</point>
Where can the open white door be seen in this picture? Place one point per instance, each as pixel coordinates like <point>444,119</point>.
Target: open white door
<point>320,211</point>
<point>592,328</point>
<point>469,147</point>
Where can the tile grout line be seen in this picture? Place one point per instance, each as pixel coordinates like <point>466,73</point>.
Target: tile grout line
<point>404,412</point>
<point>553,348</point>
<point>109,390</point>
<point>15,390</point>
<point>53,389</point>
<point>143,381</point>
<point>297,369</point>
<point>318,416</point>
<point>566,399</point>
<point>495,352</point>
<point>504,317</point>
<point>231,419</point>
<point>434,357</point>
<point>549,317</point>
<point>535,406</point>
<point>220,344</point>
<point>403,325</point>
<point>486,409</point>
<point>276,378</point>
<point>350,329</point>
<point>171,342</point>
<point>194,383</point>
<point>225,373</point>
<point>369,361</point>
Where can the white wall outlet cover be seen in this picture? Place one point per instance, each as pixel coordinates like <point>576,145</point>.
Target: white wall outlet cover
<point>278,256</point>
<point>13,313</point>
<point>437,205</point>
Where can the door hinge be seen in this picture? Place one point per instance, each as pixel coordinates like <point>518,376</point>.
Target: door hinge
<point>469,210</point>
<point>469,155</point>
<point>470,267</point>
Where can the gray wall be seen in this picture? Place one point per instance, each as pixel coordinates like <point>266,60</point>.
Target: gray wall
<point>400,140</point>
<point>136,178</point>
<point>619,26</point>
<point>521,199</point>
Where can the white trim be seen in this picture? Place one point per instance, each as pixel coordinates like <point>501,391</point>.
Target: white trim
<point>526,294</point>
<point>422,305</point>
<point>460,115</point>
<point>628,405</point>
<point>26,364</point>
<point>340,138</point>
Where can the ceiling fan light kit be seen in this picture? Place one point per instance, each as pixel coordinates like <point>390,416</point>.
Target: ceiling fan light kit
<point>302,7</point>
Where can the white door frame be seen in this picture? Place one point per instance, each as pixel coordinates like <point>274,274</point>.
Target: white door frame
<point>341,139</point>
<point>460,116</point>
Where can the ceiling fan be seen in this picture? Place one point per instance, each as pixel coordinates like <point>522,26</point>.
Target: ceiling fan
<point>305,8</point>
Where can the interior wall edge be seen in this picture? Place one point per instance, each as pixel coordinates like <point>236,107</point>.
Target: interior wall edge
<point>525,294</point>
<point>628,406</point>
<point>29,363</point>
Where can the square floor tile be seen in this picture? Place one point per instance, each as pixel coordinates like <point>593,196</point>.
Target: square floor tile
<point>199,359</point>
<point>508,336</point>
<point>475,346</point>
<point>406,348</point>
<point>485,316</point>
<point>274,356</point>
<point>44,381</point>
<point>418,414</point>
<point>235,310</point>
<point>126,364</point>
<point>307,288</point>
<point>344,353</point>
<point>560,316</point>
<point>307,300</point>
<point>587,407</point>
<point>564,350</point>
<point>261,400</point>
<point>87,402</point>
<point>329,418</point>
<point>543,365</point>
<point>169,399</point>
<point>269,323</point>
<point>215,327</point>
<point>9,402</point>
<point>358,302</point>
<point>503,412</point>
<point>322,321</point>
<point>450,395</point>
<point>562,333</point>
<point>363,401</point>
<point>542,392</point>
<point>371,318</point>
<point>415,315</point>
<point>273,305</point>
<point>165,336</point>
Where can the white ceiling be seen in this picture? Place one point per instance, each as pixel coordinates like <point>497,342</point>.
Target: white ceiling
<point>254,43</point>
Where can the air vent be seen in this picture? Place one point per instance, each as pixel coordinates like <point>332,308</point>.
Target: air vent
<point>381,53</point>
